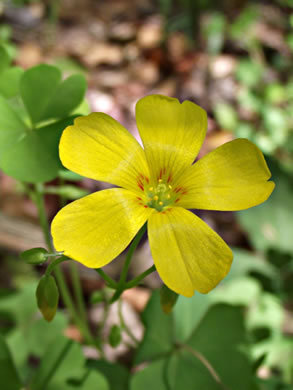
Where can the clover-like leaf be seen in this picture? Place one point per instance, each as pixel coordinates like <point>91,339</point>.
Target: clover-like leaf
<point>46,96</point>
<point>208,353</point>
<point>30,156</point>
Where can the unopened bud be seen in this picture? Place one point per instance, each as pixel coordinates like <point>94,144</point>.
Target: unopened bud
<point>47,297</point>
<point>168,299</point>
<point>115,336</point>
<point>35,256</point>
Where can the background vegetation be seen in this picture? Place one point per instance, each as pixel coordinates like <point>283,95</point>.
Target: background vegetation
<point>234,58</point>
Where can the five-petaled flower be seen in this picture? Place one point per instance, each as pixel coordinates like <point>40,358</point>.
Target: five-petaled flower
<point>157,184</point>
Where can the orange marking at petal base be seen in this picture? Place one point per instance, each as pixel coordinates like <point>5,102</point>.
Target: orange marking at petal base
<point>138,198</point>
<point>146,207</point>
<point>177,200</point>
<point>147,179</point>
<point>140,186</point>
<point>169,178</point>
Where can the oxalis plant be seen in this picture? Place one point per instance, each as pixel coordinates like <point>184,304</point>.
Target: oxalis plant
<point>197,343</point>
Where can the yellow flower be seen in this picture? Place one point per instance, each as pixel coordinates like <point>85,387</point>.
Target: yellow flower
<point>157,184</point>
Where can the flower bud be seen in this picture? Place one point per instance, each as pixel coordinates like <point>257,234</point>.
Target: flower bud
<point>115,336</point>
<point>168,299</point>
<point>35,256</point>
<point>47,297</point>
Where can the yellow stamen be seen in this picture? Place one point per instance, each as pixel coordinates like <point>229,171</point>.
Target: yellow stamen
<point>168,196</point>
<point>160,180</point>
<point>156,197</point>
<point>170,187</point>
<point>160,203</point>
<point>151,189</point>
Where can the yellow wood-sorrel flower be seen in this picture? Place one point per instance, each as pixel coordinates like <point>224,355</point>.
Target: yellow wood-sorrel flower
<point>157,184</point>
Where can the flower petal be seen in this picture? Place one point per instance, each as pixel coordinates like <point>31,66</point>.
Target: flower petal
<point>98,147</point>
<point>187,253</point>
<point>172,133</point>
<point>97,228</point>
<point>232,177</point>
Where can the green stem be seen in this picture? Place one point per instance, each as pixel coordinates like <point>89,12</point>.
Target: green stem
<point>70,306</point>
<point>54,263</point>
<point>78,291</point>
<point>110,282</point>
<point>134,282</point>
<point>121,284</point>
<point>124,326</point>
<point>38,198</point>
<point>130,253</point>
<point>47,379</point>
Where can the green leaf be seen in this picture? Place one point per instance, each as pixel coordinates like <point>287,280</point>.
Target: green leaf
<point>34,155</point>
<point>240,291</point>
<point>63,367</point>
<point>9,82</point>
<point>152,377</point>
<point>158,338</point>
<point>4,59</point>
<point>270,225</point>
<point>116,374</point>
<point>12,129</point>
<point>219,338</point>
<point>41,330</point>
<point>45,96</point>
<point>21,304</point>
<point>37,87</point>
<point>8,374</point>
<point>188,312</point>
<point>47,297</point>
<point>185,371</point>
<point>209,353</point>
<point>63,359</point>
<point>245,262</point>
<point>68,95</point>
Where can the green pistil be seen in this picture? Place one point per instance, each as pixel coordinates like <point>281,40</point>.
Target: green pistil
<point>160,196</point>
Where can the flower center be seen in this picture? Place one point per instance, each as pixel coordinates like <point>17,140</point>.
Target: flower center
<point>160,196</point>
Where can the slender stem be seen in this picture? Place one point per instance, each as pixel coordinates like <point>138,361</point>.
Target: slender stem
<point>54,263</point>
<point>134,282</point>
<point>47,378</point>
<point>69,304</point>
<point>131,250</point>
<point>38,198</point>
<point>78,291</point>
<point>110,282</point>
<point>121,284</point>
<point>124,326</point>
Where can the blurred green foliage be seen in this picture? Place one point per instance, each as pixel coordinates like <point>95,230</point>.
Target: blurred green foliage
<point>222,339</point>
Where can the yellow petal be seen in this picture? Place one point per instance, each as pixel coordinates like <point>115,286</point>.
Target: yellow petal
<point>187,253</point>
<point>98,147</point>
<point>232,177</point>
<point>96,229</point>
<point>172,133</point>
